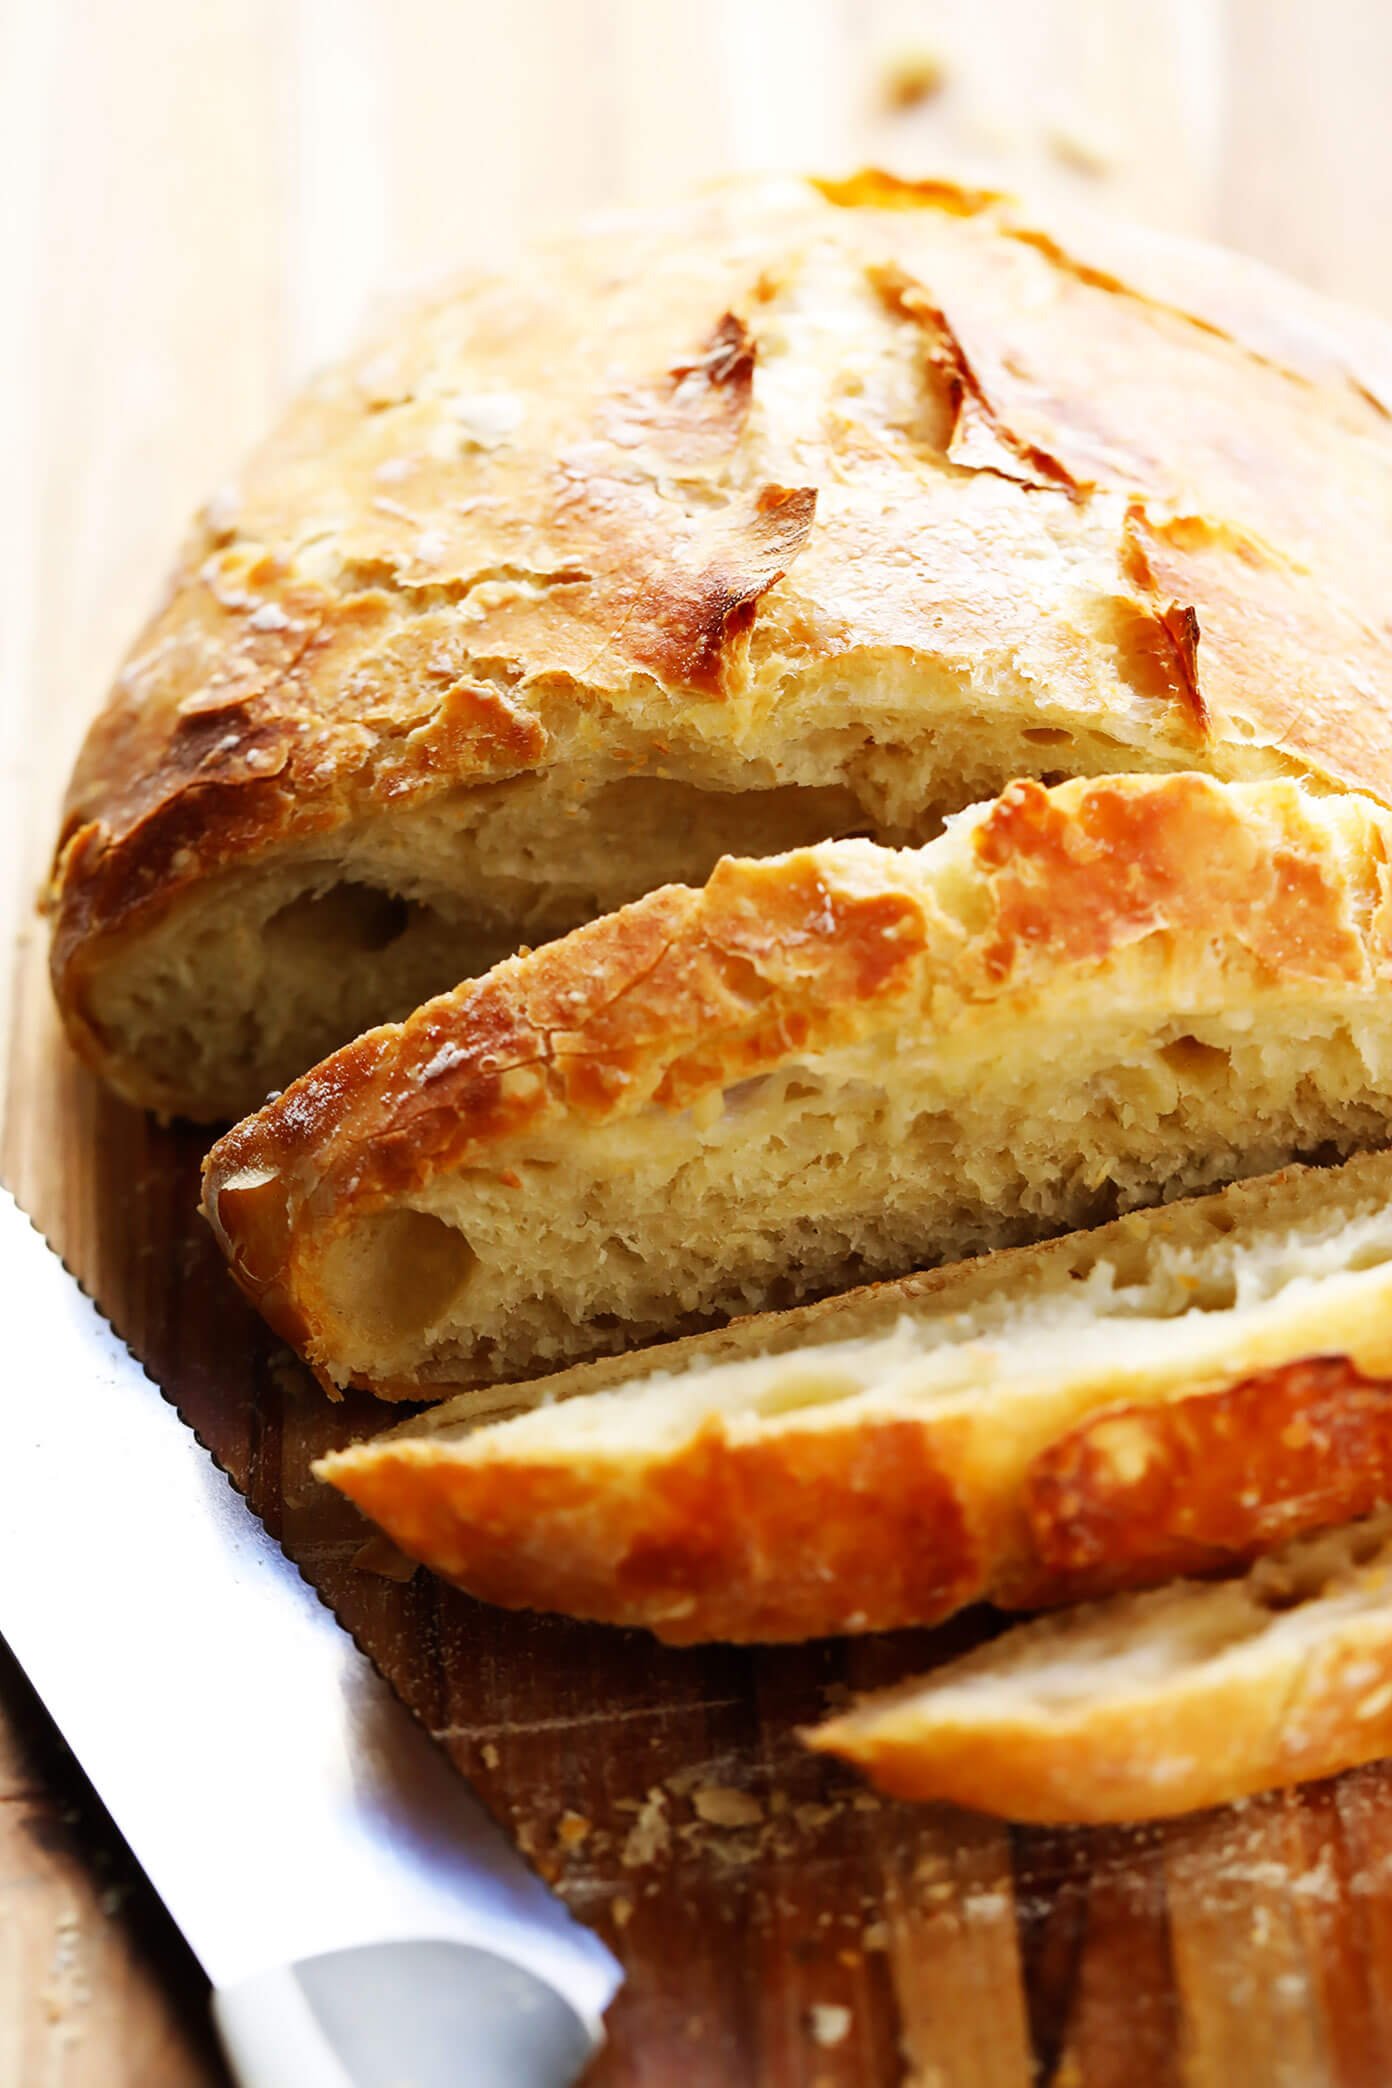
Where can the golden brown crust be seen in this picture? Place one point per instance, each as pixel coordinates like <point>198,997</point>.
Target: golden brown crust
<point>1135,1495</point>
<point>1253,1734</point>
<point>870,1527</point>
<point>740,1541</point>
<point>686,993</point>
<point>885,1521</point>
<point>1077,875</point>
<point>582,516</point>
<point>1207,1720</point>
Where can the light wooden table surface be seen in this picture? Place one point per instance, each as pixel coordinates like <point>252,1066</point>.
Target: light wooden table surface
<point>202,199</point>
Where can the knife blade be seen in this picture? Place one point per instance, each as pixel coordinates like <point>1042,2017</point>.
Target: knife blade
<point>363,1922</point>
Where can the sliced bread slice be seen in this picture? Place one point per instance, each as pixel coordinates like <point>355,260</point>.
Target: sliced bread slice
<point>1148,1705</point>
<point>1176,1391</point>
<point>822,1068</point>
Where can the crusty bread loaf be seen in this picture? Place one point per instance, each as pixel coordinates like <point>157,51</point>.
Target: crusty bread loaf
<point>1174,1392</point>
<point>1153,1704</point>
<point>797,511</point>
<point>835,1065</point>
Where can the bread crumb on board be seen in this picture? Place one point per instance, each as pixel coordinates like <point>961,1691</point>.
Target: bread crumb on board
<point>812,1816</point>
<point>573,1829</point>
<point>828,2023</point>
<point>66,1992</point>
<point>650,1836</point>
<point>721,1805</point>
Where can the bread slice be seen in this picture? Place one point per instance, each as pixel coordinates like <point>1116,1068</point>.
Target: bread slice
<point>795,511</point>
<point>1174,1392</point>
<point>840,1064</point>
<point>1148,1705</point>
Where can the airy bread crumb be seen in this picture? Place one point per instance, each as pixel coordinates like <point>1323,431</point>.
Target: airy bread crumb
<point>829,1067</point>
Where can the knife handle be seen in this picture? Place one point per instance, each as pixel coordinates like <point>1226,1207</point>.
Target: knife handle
<point>439,2015</point>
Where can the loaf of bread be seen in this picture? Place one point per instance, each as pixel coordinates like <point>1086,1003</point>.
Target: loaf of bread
<point>835,1065</point>
<point>1148,1705</point>
<point>803,510</point>
<point>1175,1392</point>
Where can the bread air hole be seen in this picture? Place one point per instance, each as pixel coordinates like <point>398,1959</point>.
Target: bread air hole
<point>1317,1567</point>
<point>1194,1061</point>
<point>389,1276</point>
<point>351,918</point>
<point>1280,1594</point>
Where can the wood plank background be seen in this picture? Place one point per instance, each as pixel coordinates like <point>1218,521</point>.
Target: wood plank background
<point>197,204</point>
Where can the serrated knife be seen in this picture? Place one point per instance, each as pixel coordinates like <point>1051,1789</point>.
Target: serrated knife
<point>363,1922</point>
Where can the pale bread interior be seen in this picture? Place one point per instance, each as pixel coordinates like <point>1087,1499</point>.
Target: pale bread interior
<point>262,971</point>
<point>861,1167</point>
<point>1155,1307</point>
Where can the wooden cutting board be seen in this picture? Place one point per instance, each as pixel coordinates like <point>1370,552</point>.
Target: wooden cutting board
<point>778,1923</point>
<point>208,200</point>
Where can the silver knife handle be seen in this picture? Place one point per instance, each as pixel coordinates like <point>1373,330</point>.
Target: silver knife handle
<point>436,2015</point>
